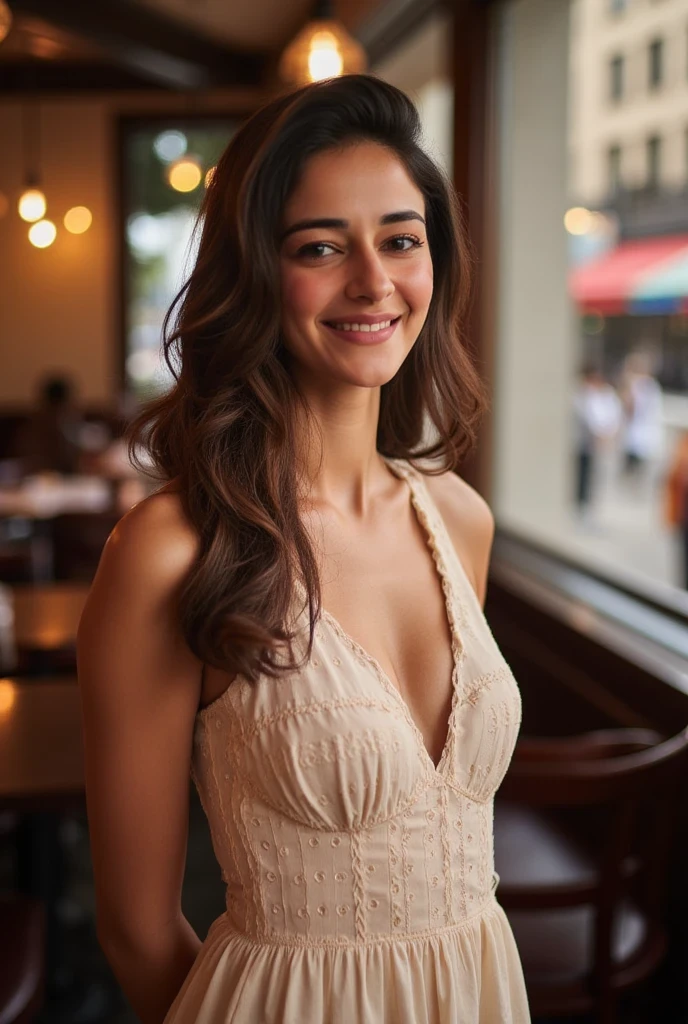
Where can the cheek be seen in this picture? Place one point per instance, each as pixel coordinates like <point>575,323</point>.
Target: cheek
<point>303,294</point>
<point>418,286</point>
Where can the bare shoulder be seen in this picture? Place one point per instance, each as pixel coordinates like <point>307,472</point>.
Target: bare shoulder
<point>155,538</point>
<point>470,524</point>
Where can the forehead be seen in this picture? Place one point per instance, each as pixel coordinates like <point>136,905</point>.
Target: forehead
<point>362,176</point>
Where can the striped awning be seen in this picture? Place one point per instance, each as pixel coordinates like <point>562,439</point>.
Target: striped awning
<point>642,277</point>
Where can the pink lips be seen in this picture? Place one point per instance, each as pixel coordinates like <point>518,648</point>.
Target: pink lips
<point>365,337</point>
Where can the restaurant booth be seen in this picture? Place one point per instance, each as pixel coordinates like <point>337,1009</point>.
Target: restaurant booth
<point>591,830</point>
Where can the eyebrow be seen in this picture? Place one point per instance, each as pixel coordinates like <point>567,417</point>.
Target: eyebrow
<point>337,222</point>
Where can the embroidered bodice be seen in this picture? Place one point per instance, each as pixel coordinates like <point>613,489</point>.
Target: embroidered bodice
<point>331,823</point>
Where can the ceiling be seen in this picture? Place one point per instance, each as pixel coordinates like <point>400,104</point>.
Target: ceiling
<point>160,44</point>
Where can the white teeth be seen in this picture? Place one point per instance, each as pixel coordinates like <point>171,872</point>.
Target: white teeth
<point>363,327</point>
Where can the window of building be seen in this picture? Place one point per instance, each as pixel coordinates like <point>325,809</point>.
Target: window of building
<point>654,159</point>
<point>616,77</point>
<point>614,169</point>
<point>655,63</point>
<point>617,6</point>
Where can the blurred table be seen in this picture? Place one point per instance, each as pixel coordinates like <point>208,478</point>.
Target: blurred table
<point>46,615</point>
<point>41,752</point>
<point>49,494</point>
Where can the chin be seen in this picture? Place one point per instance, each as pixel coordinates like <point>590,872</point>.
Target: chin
<point>371,376</point>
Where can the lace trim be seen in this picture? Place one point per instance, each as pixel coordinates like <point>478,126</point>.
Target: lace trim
<point>358,887</point>
<point>446,857</point>
<point>251,729</point>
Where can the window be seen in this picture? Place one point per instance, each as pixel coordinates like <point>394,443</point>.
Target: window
<point>616,78</point>
<point>655,63</point>
<point>614,169</point>
<point>573,300</point>
<point>158,221</point>
<point>653,161</point>
<point>617,6</point>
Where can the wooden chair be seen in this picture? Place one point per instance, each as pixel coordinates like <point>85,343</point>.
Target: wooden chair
<point>22,939</point>
<point>586,903</point>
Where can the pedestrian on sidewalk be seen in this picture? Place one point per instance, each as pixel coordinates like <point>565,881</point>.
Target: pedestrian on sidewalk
<point>597,417</point>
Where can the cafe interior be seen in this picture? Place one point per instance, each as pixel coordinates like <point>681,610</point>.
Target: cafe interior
<point>112,115</point>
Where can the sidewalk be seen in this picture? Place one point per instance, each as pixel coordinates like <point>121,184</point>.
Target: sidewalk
<point>624,525</point>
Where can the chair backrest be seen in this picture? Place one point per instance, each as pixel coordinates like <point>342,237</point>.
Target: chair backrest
<point>631,776</point>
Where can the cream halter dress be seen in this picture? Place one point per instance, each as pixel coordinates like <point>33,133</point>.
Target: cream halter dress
<point>360,881</point>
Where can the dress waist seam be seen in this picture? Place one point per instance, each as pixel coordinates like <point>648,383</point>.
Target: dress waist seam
<point>223,925</point>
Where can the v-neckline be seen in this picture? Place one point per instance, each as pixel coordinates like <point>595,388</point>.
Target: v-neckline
<point>423,516</point>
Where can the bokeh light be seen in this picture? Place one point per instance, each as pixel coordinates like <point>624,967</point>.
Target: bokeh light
<point>170,145</point>
<point>32,205</point>
<point>78,219</point>
<point>185,175</point>
<point>42,234</point>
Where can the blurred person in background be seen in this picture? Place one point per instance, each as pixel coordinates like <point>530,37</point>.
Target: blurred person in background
<point>51,439</point>
<point>641,397</point>
<point>597,417</point>
<point>676,506</point>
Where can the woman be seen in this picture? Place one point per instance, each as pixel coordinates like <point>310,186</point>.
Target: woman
<point>296,613</point>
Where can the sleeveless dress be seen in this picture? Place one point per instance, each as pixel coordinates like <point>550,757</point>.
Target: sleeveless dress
<point>360,881</point>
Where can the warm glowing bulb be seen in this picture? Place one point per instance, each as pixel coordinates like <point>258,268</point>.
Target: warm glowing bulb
<point>32,205</point>
<point>78,219</point>
<point>324,59</point>
<point>42,234</point>
<point>185,175</point>
<point>8,696</point>
<point>578,220</point>
<point>209,175</point>
<point>5,20</point>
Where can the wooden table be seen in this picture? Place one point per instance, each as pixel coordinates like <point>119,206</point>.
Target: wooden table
<point>41,752</point>
<point>46,615</point>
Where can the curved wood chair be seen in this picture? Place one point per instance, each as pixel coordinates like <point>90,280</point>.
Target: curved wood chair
<point>582,841</point>
<point>22,940</point>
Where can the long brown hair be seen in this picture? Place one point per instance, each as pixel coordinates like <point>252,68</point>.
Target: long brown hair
<point>225,431</point>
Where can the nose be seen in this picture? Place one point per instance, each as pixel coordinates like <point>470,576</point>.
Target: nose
<point>368,278</point>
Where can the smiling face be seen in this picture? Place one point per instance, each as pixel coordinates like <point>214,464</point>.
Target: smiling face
<point>365,261</point>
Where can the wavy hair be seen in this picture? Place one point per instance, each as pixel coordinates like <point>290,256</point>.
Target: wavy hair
<point>225,432</point>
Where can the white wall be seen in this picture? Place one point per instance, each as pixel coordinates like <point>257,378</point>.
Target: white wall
<point>534,343</point>
<point>421,68</point>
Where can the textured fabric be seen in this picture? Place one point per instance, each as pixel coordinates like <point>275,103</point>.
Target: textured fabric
<point>360,881</point>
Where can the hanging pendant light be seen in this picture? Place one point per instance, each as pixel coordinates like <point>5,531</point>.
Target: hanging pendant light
<point>322,49</point>
<point>32,204</point>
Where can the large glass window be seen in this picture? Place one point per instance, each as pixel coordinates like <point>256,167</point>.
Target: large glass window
<point>591,346</point>
<point>165,169</point>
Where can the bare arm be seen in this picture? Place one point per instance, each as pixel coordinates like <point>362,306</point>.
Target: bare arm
<point>140,688</point>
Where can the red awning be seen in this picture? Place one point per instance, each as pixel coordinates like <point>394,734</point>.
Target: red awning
<point>607,284</point>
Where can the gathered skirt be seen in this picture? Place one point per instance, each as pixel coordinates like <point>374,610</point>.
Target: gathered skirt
<point>465,974</point>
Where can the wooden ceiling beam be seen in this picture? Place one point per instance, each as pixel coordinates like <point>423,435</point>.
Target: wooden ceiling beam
<point>149,45</point>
